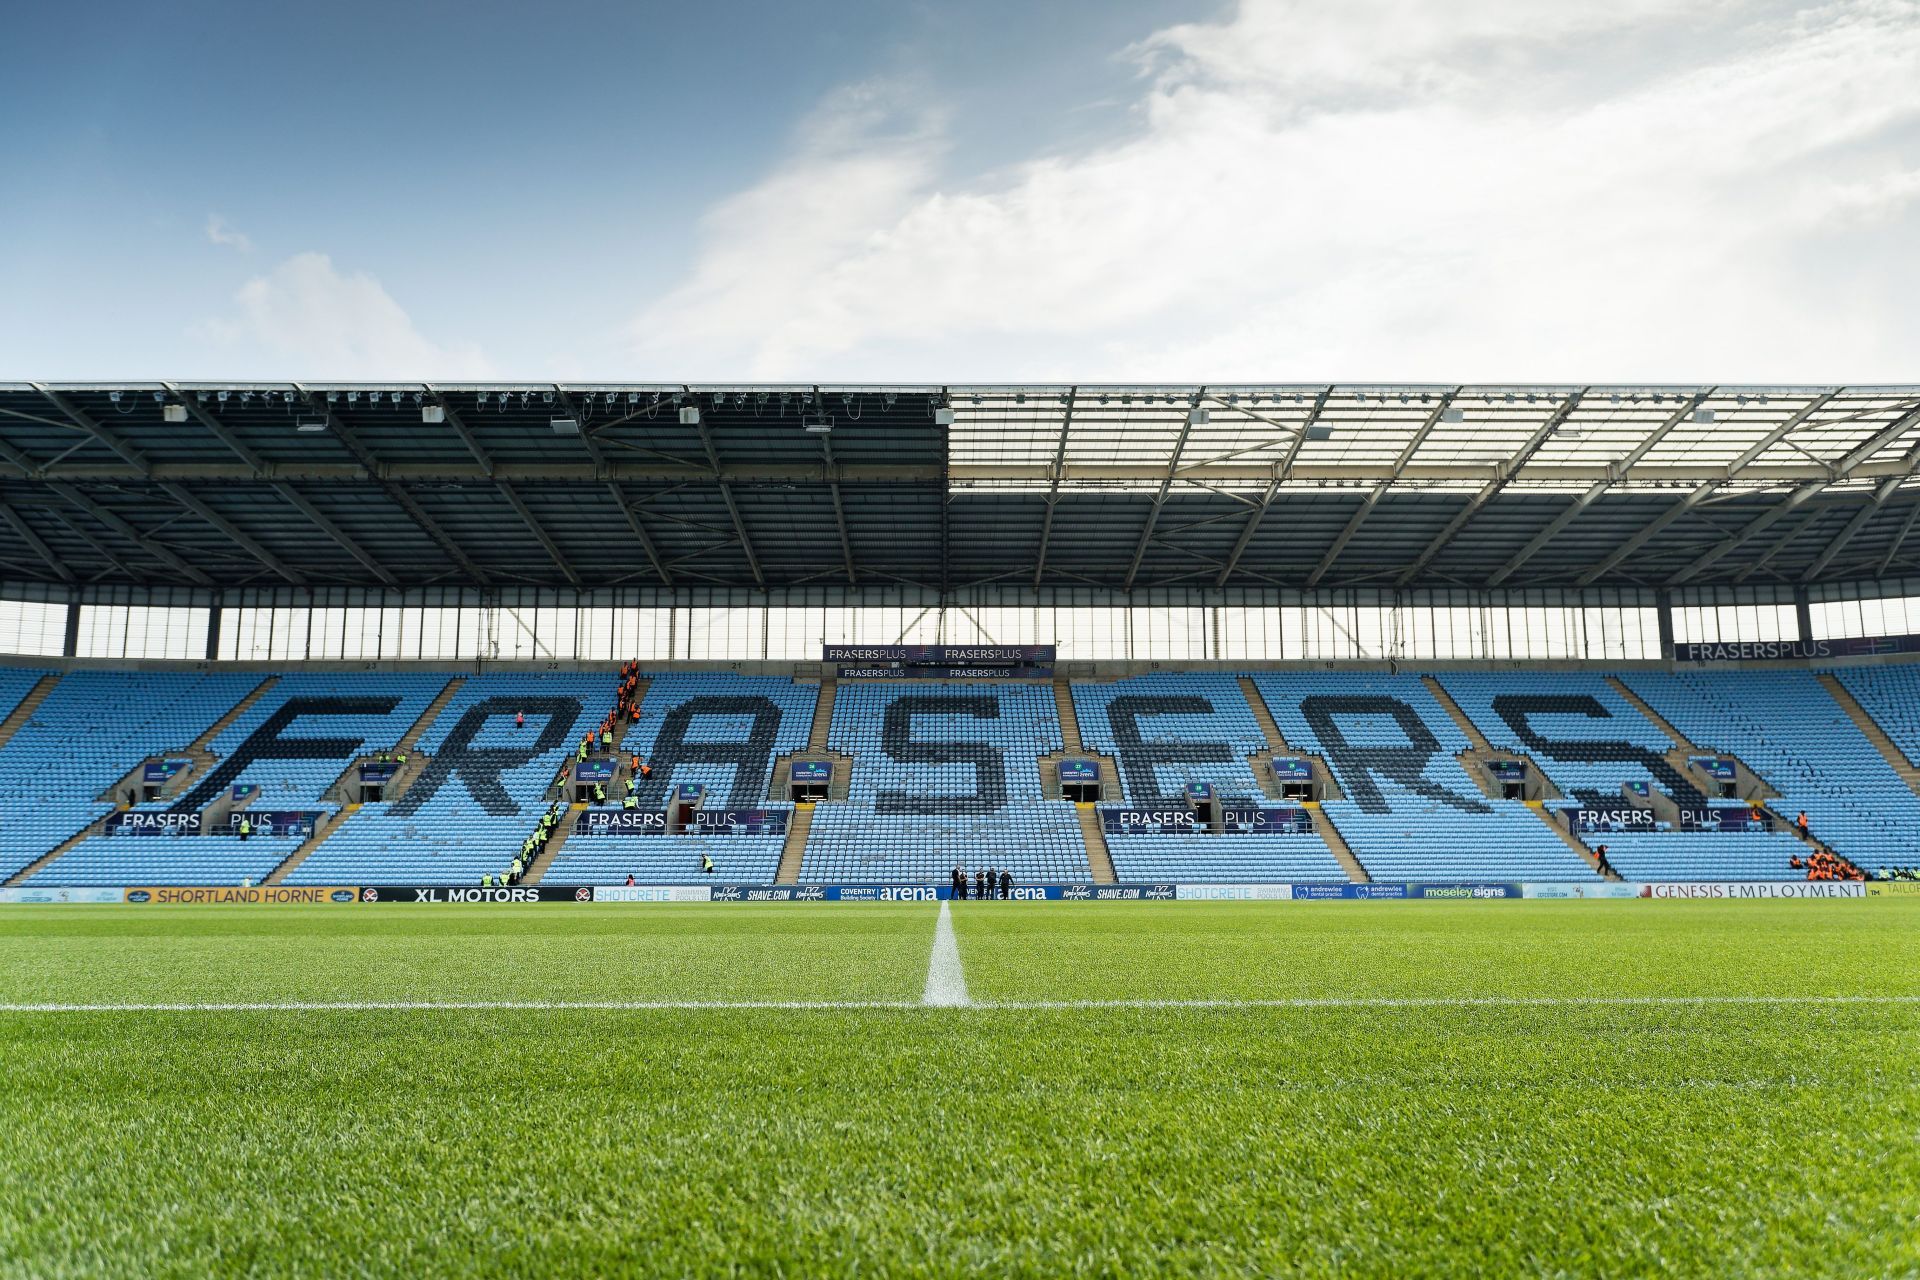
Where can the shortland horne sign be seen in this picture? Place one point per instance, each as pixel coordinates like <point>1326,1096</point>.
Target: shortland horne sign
<point>290,895</point>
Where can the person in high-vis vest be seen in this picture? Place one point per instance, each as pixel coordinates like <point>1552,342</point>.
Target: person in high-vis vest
<point>706,863</point>
<point>246,828</point>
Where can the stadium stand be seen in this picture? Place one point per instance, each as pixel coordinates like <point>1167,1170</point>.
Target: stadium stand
<point>717,730</point>
<point>481,792</point>
<point>1891,695</point>
<point>290,748</point>
<point>90,731</point>
<point>1790,732</point>
<point>944,774</point>
<point>1589,741</point>
<point>1169,730</point>
<point>1410,811</point>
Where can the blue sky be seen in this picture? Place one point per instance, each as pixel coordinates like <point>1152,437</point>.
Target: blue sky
<point>1659,189</point>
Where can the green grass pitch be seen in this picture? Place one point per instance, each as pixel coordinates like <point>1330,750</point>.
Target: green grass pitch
<point>1550,1088</point>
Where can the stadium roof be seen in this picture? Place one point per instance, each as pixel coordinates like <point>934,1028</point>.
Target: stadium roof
<point>1290,486</point>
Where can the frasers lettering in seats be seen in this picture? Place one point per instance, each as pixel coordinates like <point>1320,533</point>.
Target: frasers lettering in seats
<point>1169,817</point>
<point>1607,817</point>
<point>161,821</point>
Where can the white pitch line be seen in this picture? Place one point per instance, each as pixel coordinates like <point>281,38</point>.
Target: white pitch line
<point>946,982</point>
<point>929,1000</point>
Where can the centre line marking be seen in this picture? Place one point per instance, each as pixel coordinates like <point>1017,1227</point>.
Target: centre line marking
<point>946,982</point>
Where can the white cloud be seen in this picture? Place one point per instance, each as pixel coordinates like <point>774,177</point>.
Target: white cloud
<point>307,319</point>
<point>221,233</point>
<point>1488,189</point>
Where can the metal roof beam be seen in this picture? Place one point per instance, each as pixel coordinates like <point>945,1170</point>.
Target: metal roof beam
<point>136,459</point>
<point>218,429</point>
<point>1754,528</point>
<point>1766,519</point>
<point>340,537</point>
<point>234,534</point>
<point>733,508</point>
<point>399,496</point>
<point>80,502</point>
<point>1778,545</point>
<point>1647,532</point>
<point>1885,490</point>
<point>1285,469</point>
<point>1166,484</point>
<point>1899,540</point>
<point>1379,490</point>
<point>1053,485</point>
<point>1553,530</point>
<point>534,526</point>
<point>100,548</point>
<point>640,532</point>
<point>466,435</point>
<point>839,509</point>
<point>40,548</point>
<point>1507,471</point>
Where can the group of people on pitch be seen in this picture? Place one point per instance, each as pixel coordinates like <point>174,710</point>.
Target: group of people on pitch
<point>985,883</point>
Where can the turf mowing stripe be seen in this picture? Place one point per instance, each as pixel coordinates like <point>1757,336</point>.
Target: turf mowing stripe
<point>946,983</point>
<point>1300,1002</point>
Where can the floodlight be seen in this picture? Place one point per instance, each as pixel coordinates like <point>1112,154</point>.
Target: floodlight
<point>1197,417</point>
<point>1703,415</point>
<point>817,424</point>
<point>943,416</point>
<point>173,413</point>
<point>433,413</point>
<point>564,426</point>
<point>1450,414</point>
<point>307,426</point>
<point>1319,433</point>
<point>689,415</point>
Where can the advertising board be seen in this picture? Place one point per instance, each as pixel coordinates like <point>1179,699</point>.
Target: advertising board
<point>1755,889</point>
<point>1234,892</point>
<point>61,897</point>
<point>1602,889</point>
<point>654,893</point>
<point>493,895</point>
<point>270,895</point>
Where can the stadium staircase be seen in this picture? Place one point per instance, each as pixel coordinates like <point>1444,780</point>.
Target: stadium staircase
<point>798,825</point>
<point>28,705</point>
<point>1099,857</point>
<point>327,824</point>
<point>1322,824</point>
<point>411,738</point>
<point>822,716</point>
<point>545,857</point>
<point>1483,753</point>
<point>1882,741</point>
<point>203,745</point>
<point>1682,748</point>
<point>97,827</point>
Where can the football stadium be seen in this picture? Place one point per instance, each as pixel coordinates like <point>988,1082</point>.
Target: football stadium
<point>517,828</point>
